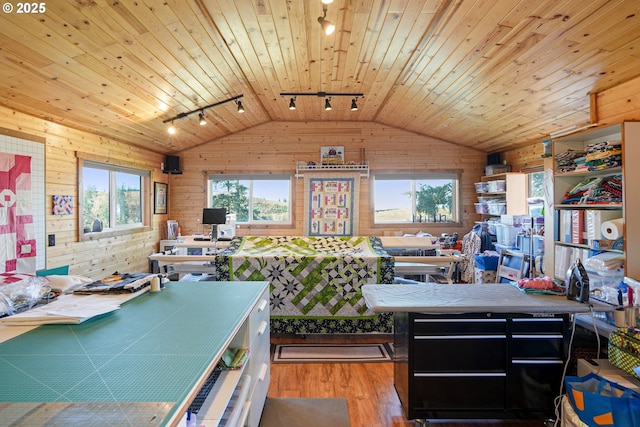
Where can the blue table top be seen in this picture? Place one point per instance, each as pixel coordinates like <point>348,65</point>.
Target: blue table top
<point>159,347</point>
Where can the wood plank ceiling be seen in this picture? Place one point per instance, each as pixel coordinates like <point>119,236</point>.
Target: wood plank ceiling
<point>488,74</point>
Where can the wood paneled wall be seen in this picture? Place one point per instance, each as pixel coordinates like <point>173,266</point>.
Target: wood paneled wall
<point>100,257</point>
<point>609,107</point>
<point>277,146</point>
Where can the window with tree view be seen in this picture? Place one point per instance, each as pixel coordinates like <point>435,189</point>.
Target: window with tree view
<point>253,198</point>
<point>425,198</point>
<point>112,196</point>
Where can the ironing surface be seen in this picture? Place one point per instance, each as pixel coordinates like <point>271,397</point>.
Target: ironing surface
<point>158,348</point>
<point>465,298</point>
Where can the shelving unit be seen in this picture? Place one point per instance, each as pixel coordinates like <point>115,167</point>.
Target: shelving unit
<point>570,218</point>
<point>514,195</point>
<point>304,167</point>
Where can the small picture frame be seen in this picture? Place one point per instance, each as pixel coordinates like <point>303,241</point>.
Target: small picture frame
<point>332,156</point>
<point>160,197</point>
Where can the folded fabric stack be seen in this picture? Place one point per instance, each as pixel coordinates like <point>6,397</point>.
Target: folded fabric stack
<point>604,155</point>
<point>596,190</point>
<point>569,160</point>
<point>117,283</point>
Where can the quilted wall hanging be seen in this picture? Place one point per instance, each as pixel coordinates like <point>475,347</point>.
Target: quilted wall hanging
<point>331,204</point>
<point>17,237</point>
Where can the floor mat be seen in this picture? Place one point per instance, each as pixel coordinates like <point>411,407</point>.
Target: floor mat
<point>301,412</point>
<point>331,353</point>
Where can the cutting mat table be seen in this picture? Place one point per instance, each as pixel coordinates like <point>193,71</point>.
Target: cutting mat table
<point>140,365</point>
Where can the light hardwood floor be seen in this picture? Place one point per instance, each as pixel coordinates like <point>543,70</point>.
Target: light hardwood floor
<point>368,387</point>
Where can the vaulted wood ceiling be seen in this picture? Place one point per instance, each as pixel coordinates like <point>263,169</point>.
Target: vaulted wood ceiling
<point>488,74</point>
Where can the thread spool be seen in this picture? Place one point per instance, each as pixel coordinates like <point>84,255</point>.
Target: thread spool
<point>155,284</point>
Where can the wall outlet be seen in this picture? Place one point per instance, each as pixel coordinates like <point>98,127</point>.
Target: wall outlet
<point>52,239</point>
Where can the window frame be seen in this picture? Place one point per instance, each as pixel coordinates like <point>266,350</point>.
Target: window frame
<point>256,177</point>
<point>455,175</point>
<point>145,194</point>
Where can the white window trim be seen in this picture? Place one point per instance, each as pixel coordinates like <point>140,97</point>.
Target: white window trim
<point>120,230</point>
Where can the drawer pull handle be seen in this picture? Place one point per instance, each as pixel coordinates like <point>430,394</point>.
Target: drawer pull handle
<point>262,328</point>
<point>458,337</point>
<point>534,336</point>
<point>456,374</point>
<point>263,305</point>
<point>263,372</point>
<point>536,362</point>
<point>470,321</point>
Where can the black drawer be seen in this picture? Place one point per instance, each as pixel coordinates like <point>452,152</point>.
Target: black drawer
<point>537,345</point>
<point>460,353</point>
<point>446,326</point>
<point>533,385</point>
<point>458,392</point>
<point>538,325</point>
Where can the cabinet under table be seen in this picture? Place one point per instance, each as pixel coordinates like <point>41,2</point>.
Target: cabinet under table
<point>476,351</point>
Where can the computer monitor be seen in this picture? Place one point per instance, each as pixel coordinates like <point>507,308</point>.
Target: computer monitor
<point>214,216</point>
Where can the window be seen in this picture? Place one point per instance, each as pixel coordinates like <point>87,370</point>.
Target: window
<point>253,198</point>
<point>113,197</point>
<point>421,198</point>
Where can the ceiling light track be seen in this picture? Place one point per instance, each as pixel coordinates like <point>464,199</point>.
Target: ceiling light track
<point>201,118</point>
<point>293,96</point>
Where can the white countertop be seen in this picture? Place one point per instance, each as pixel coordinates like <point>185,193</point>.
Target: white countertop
<point>466,298</point>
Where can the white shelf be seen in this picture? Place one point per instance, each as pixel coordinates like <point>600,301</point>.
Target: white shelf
<point>303,167</point>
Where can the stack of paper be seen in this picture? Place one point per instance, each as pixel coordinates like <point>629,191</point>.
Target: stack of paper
<point>68,309</point>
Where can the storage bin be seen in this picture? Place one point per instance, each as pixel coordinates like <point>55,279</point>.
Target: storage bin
<point>497,208</point>
<point>497,186</point>
<point>507,234</point>
<point>524,244</point>
<point>496,169</point>
<point>482,208</point>
<point>486,262</point>
<point>481,187</point>
<point>488,199</point>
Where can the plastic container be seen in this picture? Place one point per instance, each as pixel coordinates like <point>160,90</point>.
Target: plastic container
<point>524,244</point>
<point>488,199</point>
<point>482,208</point>
<point>497,186</point>
<point>507,234</point>
<point>497,208</point>
<point>486,262</point>
<point>481,187</point>
<point>496,169</point>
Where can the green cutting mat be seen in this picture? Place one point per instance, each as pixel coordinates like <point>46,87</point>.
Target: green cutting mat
<point>156,348</point>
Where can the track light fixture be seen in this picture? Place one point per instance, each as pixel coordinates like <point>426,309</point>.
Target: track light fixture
<point>200,111</point>
<point>327,95</point>
<point>327,26</point>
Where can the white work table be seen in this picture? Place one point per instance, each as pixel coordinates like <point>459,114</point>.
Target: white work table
<point>466,298</point>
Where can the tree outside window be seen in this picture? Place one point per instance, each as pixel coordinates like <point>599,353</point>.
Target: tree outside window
<point>254,199</point>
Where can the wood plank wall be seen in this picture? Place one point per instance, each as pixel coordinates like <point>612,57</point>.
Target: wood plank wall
<point>277,146</point>
<point>618,104</point>
<point>100,257</point>
<point>273,147</point>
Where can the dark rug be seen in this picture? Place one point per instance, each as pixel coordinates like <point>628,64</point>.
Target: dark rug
<point>301,412</point>
<point>331,353</point>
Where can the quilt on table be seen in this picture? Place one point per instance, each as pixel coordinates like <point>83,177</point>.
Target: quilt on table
<point>310,277</point>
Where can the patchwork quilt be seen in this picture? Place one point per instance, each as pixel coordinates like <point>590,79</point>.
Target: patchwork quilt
<point>311,278</point>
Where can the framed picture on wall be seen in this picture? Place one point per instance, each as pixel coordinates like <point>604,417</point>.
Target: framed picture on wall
<point>331,156</point>
<point>160,197</point>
